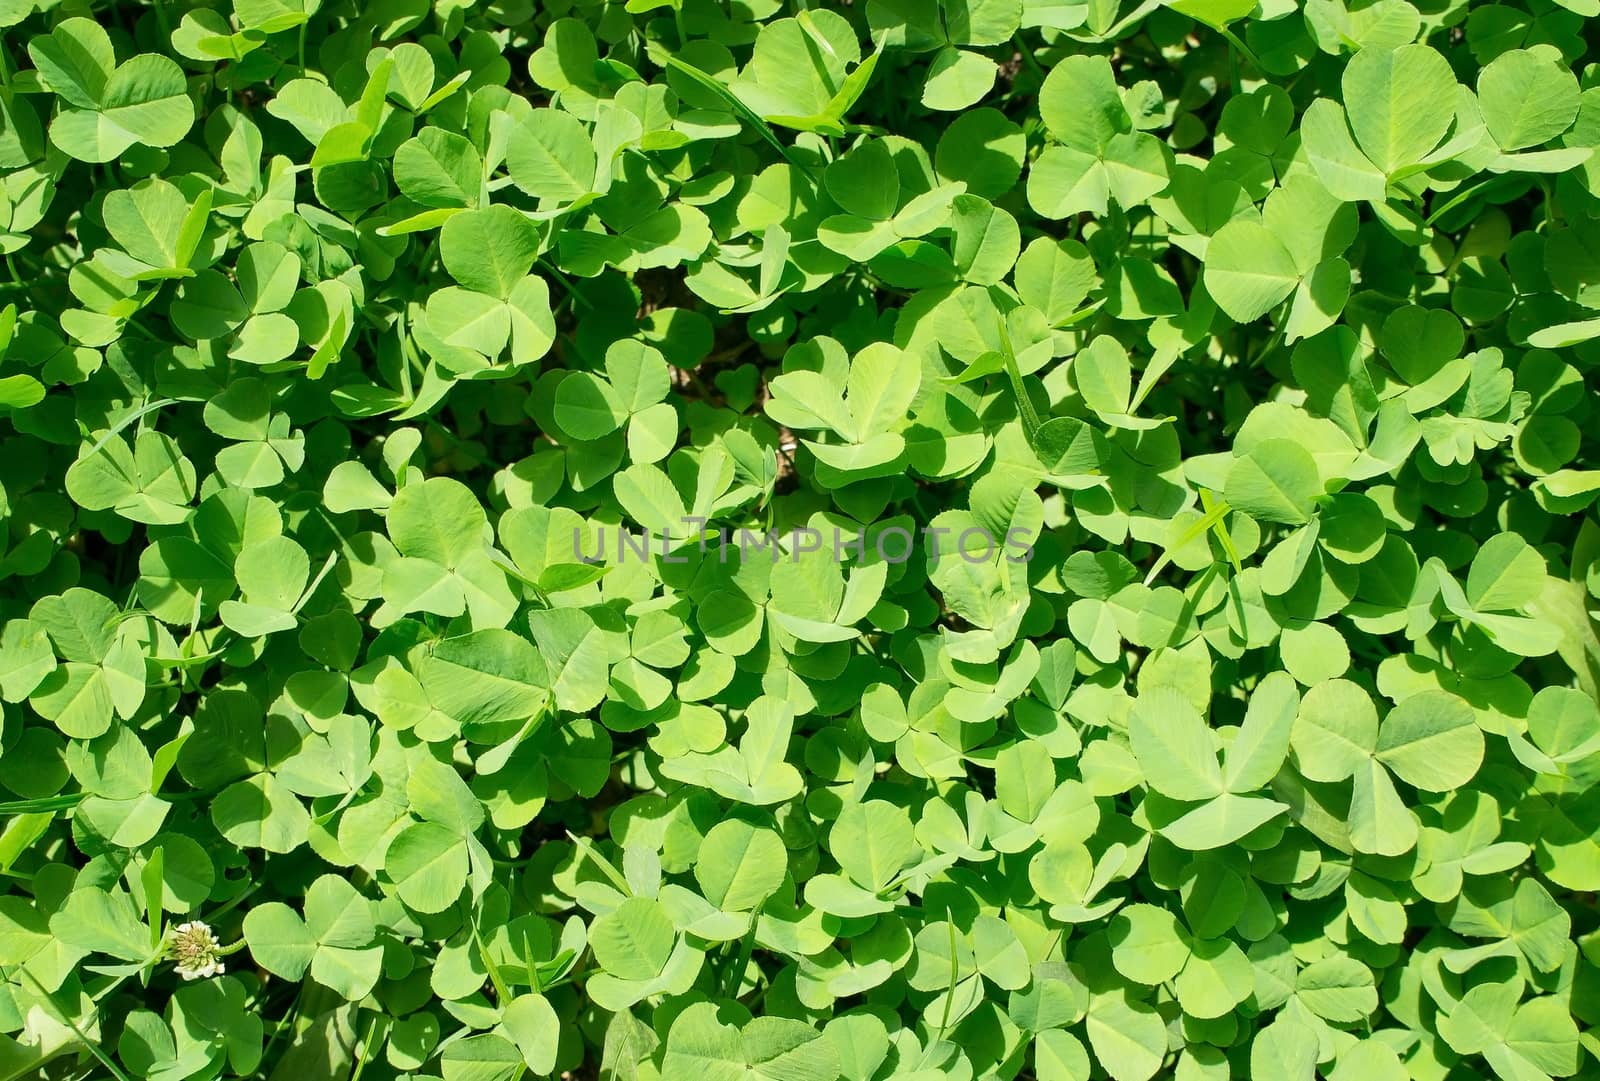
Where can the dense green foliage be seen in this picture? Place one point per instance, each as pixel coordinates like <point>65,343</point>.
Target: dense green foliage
<point>1243,357</point>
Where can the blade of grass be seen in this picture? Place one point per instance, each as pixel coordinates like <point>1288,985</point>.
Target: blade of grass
<point>739,109</point>
<point>61,1015</point>
<point>606,865</point>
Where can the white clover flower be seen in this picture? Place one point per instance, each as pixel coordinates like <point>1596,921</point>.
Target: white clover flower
<point>196,951</point>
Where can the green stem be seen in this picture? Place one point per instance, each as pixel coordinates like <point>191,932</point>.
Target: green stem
<point>232,903</point>
<point>66,1019</point>
<point>1243,49</point>
<point>742,961</point>
<point>1456,200</point>
<point>1552,212</point>
<point>1027,56</point>
<point>1273,341</point>
<point>566,283</point>
<point>166,25</point>
<point>1030,415</point>
<point>950,991</point>
<point>289,1021</point>
<point>366,1049</point>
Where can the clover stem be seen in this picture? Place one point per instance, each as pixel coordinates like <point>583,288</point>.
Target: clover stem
<point>741,962</point>
<point>1027,56</point>
<point>233,902</point>
<point>165,23</point>
<point>677,21</point>
<point>566,283</point>
<point>142,329</point>
<point>1272,342</point>
<point>1552,212</point>
<point>1241,47</point>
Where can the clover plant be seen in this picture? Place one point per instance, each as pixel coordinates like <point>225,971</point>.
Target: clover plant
<point>747,540</point>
